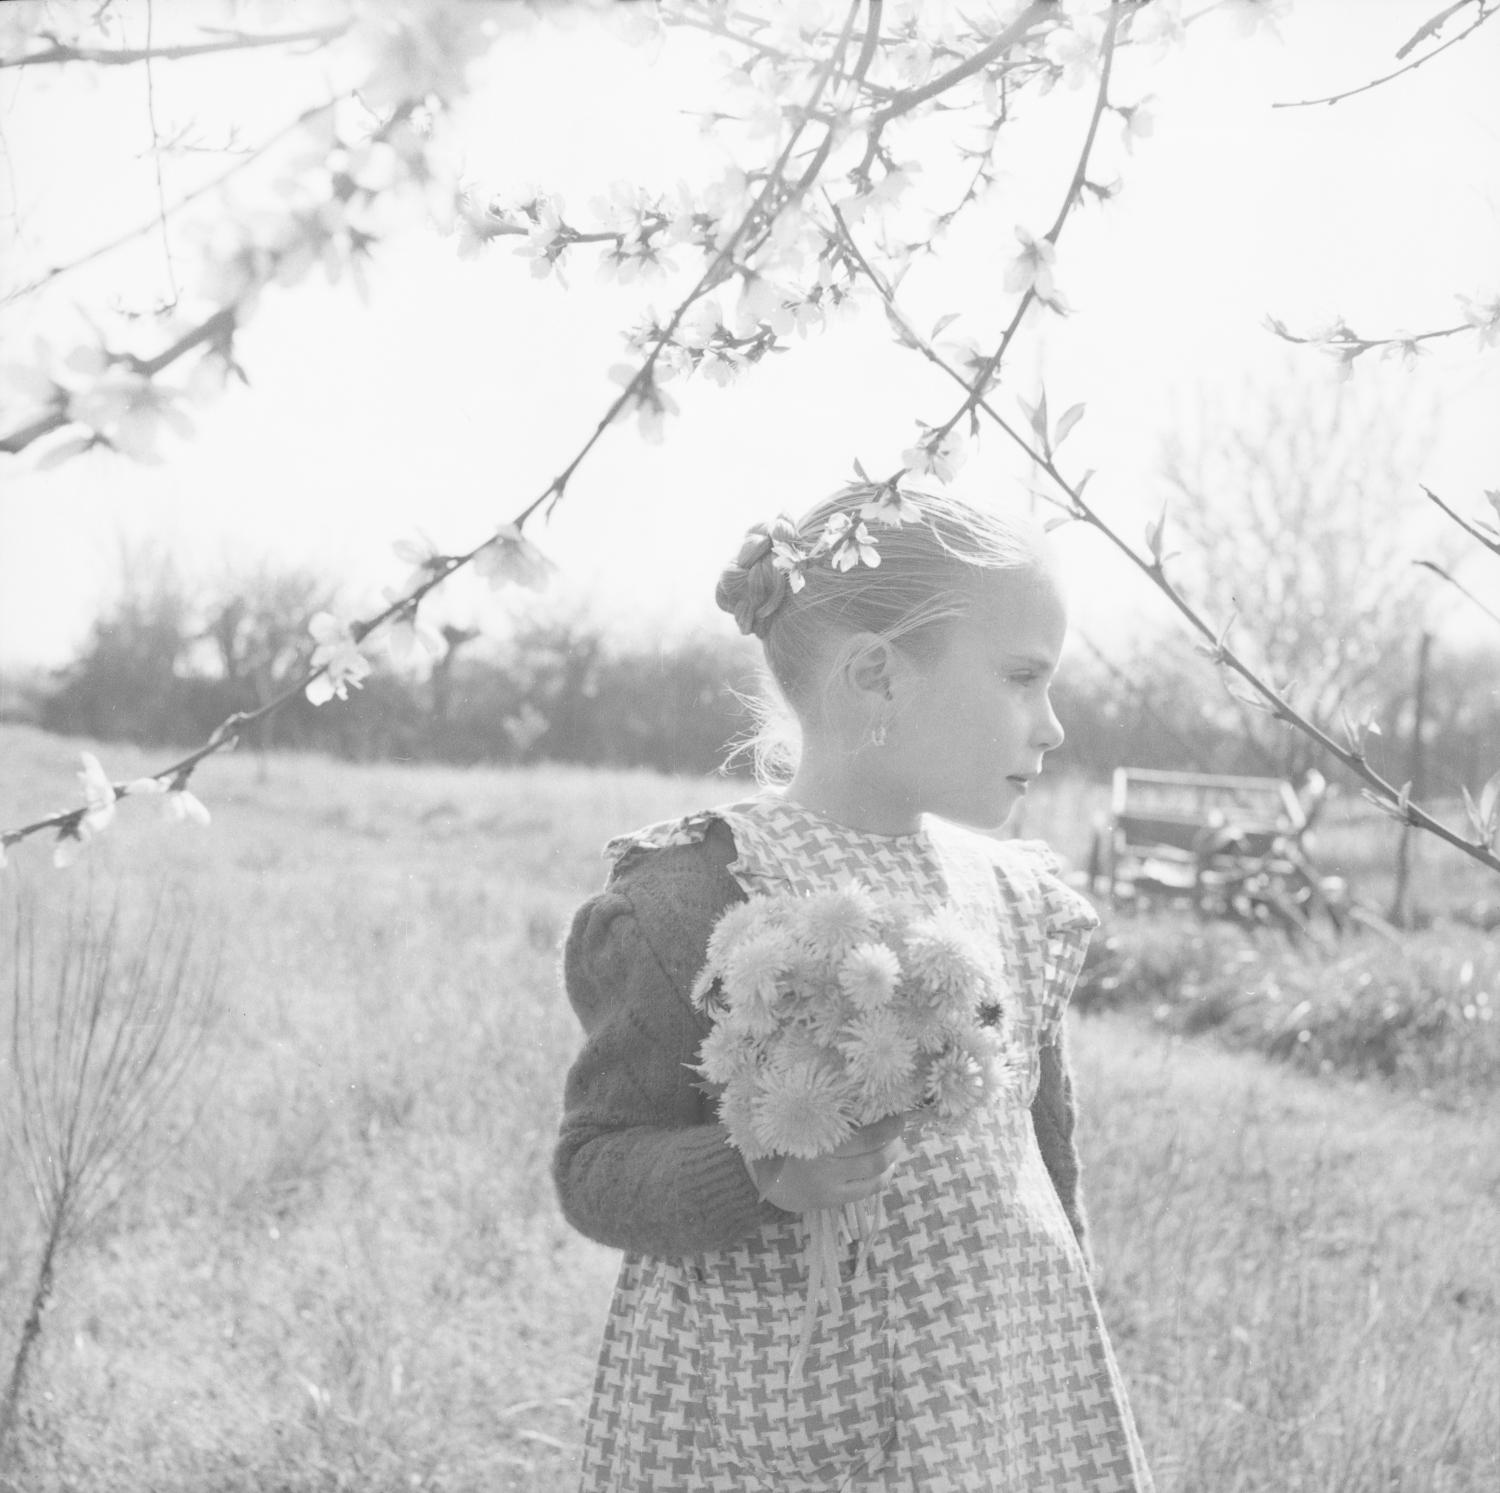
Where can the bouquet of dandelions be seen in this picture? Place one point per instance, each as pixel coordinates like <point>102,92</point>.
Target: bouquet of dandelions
<point>834,1010</point>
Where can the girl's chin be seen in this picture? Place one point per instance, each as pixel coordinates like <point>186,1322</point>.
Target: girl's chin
<point>988,817</point>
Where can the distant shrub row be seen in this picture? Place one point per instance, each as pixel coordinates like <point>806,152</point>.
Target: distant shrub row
<point>1423,1014</point>
<point>164,664</point>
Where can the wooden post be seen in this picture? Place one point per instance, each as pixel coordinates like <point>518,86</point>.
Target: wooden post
<point>1399,909</point>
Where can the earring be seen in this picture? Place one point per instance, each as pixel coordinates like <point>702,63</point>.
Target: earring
<point>878,735</point>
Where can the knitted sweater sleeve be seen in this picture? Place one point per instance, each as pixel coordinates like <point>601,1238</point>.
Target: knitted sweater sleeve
<point>1053,1115</point>
<point>1067,921</point>
<point>641,1163</point>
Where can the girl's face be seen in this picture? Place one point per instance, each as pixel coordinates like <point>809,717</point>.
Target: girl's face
<point>969,731</point>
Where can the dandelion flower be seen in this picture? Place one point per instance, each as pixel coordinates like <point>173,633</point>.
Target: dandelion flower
<point>955,1082</point>
<point>925,1024</point>
<point>726,1055</point>
<point>799,1110</point>
<point>880,1053</point>
<point>737,1116</point>
<point>832,923</point>
<point>814,1018</point>
<point>868,975</point>
<point>945,958</point>
<point>741,919</point>
<point>758,962</point>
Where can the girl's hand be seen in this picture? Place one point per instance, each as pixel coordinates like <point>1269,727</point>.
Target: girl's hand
<point>859,1168</point>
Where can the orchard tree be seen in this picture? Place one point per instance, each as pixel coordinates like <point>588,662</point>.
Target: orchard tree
<point>856,134</point>
<point>1292,503</point>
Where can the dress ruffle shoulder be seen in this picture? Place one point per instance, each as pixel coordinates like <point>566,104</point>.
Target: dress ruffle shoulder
<point>1032,867</point>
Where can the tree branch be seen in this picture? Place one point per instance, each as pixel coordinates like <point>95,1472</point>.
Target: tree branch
<point>759,218</point>
<point>201,191</point>
<point>1492,545</point>
<point>764,49</point>
<point>233,41</point>
<point>1429,28</point>
<point>1458,586</point>
<point>1393,800</point>
<point>1069,201</point>
<point>905,102</point>
<point>215,328</point>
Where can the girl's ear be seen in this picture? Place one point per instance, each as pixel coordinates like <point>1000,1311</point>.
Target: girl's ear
<point>870,666</point>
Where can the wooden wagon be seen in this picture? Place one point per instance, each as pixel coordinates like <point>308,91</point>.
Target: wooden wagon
<point>1231,845</point>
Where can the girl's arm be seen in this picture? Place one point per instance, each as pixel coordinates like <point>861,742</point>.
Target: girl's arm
<point>641,1163</point>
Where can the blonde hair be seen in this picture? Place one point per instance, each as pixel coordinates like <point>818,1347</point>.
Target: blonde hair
<point>924,582</point>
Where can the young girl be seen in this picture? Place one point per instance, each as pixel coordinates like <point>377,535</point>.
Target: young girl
<point>915,639</point>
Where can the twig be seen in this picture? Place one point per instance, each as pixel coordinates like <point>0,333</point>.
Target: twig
<point>1069,201</point>
<point>905,102</point>
<point>188,197</point>
<point>219,327</point>
<point>764,49</point>
<point>1470,529</point>
<point>1350,345</point>
<point>1458,586</point>
<point>238,41</point>
<point>161,191</point>
<point>1430,27</point>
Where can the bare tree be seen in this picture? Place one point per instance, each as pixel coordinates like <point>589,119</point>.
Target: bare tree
<point>1295,514</point>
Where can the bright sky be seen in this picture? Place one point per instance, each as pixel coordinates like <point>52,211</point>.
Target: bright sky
<point>450,401</point>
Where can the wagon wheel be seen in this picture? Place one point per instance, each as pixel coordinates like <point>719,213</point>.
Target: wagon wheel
<point>1298,880</point>
<point>1288,913</point>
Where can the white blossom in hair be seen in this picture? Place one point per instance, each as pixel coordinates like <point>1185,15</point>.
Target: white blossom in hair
<point>792,560</point>
<point>891,507</point>
<point>849,543</point>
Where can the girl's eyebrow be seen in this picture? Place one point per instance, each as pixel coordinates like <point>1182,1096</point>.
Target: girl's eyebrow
<point>1029,660</point>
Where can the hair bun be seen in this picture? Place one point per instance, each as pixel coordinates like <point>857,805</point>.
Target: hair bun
<point>753,588</point>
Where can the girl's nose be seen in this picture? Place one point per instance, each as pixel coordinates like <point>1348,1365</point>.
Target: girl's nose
<point>1050,735</point>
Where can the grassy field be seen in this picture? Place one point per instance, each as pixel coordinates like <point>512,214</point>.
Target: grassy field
<point>352,1274</point>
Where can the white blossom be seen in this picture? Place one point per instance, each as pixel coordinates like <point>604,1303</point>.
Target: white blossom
<point>1032,268</point>
<point>183,807</point>
<point>1250,16</point>
<point>1484,317</point>
<point>511,558</point>
<point>338,655</point>
<point>99,794</point>
<point>937,458</point>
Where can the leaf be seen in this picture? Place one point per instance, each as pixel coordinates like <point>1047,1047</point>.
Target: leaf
<point>66,450</point>
<point>1039,418</point>
<point>860,472</point>
<point>898,327</point>
<point>1476,819</point>
<point>1155,533</point>
<point>941,324</point>
<point>1489,804</point>
<point>1384,805</point>
<point>1065,423</point>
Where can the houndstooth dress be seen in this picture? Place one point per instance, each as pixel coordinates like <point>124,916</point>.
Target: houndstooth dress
<point>969,1354</point>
